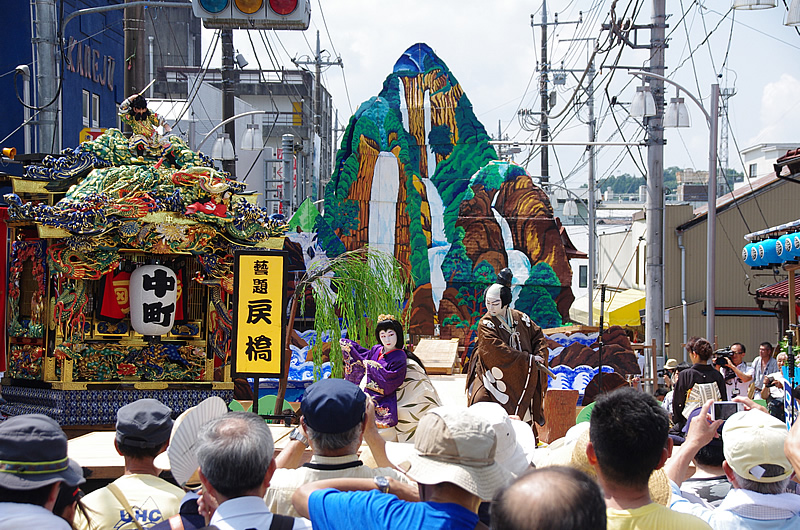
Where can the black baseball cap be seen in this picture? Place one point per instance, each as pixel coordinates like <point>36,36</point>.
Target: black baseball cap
<point>145,423</point>
<point>333,405</point>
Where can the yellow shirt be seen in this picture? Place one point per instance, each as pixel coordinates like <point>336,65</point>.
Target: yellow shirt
<point>653,516</point>
<point>151,498</point>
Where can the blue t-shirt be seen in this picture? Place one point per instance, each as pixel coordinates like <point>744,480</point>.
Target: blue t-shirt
<point>330,509</point>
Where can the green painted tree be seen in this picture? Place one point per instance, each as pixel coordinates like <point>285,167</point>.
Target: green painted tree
<point>441,140</point>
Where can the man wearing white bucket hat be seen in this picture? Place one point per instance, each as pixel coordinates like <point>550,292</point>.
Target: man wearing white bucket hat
<point>453,464</point>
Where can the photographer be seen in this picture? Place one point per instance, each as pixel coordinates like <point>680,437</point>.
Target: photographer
<point>772,391</point>
<point>731,365</point>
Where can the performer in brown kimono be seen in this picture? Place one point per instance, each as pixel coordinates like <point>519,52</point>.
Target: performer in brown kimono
<point>509,365</point>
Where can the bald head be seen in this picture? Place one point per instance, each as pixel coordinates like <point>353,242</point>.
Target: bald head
<point>557,498</point>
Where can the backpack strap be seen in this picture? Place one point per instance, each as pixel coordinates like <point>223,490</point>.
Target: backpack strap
<point>281,522</point>
<point>176,522</point>
<point>116,492</point>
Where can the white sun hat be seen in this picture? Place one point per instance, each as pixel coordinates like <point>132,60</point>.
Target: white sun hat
<point>515,439</point>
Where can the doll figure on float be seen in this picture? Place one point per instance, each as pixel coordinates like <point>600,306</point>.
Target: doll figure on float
<point>393,378</point>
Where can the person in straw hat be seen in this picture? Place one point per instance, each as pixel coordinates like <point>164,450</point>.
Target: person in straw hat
<point>628,440</point>
<point>33,465</point>
<point>453,463</point>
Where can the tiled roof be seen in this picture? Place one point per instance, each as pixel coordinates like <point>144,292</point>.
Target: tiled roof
<point>778,291</point>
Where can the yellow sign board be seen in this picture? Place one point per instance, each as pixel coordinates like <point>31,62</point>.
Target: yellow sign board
<point>259,332</point>
<point>88,134</point>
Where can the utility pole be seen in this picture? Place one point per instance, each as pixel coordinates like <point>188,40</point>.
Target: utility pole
<point>318,63</point>
<point>46,74</point>
<point>654,206</point>
<point>591,202</point>
<point>134,50</point>
<point>543,96</point>
<point>228,83</point>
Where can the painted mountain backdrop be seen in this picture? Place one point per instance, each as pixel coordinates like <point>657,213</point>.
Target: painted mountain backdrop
<point>415,176</point>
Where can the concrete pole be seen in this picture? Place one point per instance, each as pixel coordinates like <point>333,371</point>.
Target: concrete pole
<point>654,207</point>
<point>591,202</point>
<point>228,83</point>
<point>134,66</point>
<point>544,132</point>
<point>46,74</point>
<point>711,247</point>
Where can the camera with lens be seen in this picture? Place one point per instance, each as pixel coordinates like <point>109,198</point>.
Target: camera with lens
<point>720,357</point>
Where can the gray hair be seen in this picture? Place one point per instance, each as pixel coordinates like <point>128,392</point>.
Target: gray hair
<point>766,488</point>
<point>333,441</point>
<point>234,452</point>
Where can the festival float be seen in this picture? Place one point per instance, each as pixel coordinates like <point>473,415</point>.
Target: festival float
<point>120,275</point>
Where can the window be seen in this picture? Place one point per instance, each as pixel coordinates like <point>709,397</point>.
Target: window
<point>753,170</point>
<point>583,276</point>
<point>95,110</point>
<point>86,108</point>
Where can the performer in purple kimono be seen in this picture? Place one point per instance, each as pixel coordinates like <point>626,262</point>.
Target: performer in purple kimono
<point>380,370</point>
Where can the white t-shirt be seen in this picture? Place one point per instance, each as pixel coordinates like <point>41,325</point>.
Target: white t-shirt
<point>737,387</point>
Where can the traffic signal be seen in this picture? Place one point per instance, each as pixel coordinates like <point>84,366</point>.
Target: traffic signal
<point>253,14</point>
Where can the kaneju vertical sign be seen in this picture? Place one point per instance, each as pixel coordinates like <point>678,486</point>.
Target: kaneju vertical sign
<point>258,313</point>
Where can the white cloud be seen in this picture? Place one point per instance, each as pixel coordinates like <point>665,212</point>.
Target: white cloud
<point>780,111</point>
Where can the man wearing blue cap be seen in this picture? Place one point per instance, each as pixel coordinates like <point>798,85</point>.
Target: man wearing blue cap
<point>138,499</point>
<point>33,464</point>
<point>336,417</point>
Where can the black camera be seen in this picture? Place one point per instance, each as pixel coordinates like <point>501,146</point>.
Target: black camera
<point>721,355</point>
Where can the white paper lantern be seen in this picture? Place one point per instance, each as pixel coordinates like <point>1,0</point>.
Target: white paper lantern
<point>154,298</point>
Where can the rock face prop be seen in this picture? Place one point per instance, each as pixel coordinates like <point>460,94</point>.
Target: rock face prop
<point>575,360</point>
<point>416,177</point>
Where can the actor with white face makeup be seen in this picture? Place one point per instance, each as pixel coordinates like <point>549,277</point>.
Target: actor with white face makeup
<point>381,370</point>
<point>509,364</point>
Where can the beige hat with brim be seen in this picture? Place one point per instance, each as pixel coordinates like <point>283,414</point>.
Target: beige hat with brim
<point>572,452</point>
<point>453,445</point>
<point>180,457</point>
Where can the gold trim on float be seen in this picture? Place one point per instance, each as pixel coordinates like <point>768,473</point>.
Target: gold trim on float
<point>51,232</point>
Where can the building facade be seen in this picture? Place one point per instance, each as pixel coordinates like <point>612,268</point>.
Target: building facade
<point>74,86</point>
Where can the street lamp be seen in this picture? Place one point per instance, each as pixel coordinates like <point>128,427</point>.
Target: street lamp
<point>677,114</point>
<point>754,4</point>
<point>793,16</point>
<point>252,140</point>
<point>223,148</point>
<point>711,242</point>
<point>643,104</point>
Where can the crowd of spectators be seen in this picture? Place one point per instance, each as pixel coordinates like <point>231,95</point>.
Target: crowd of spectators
<point>469,467</point>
